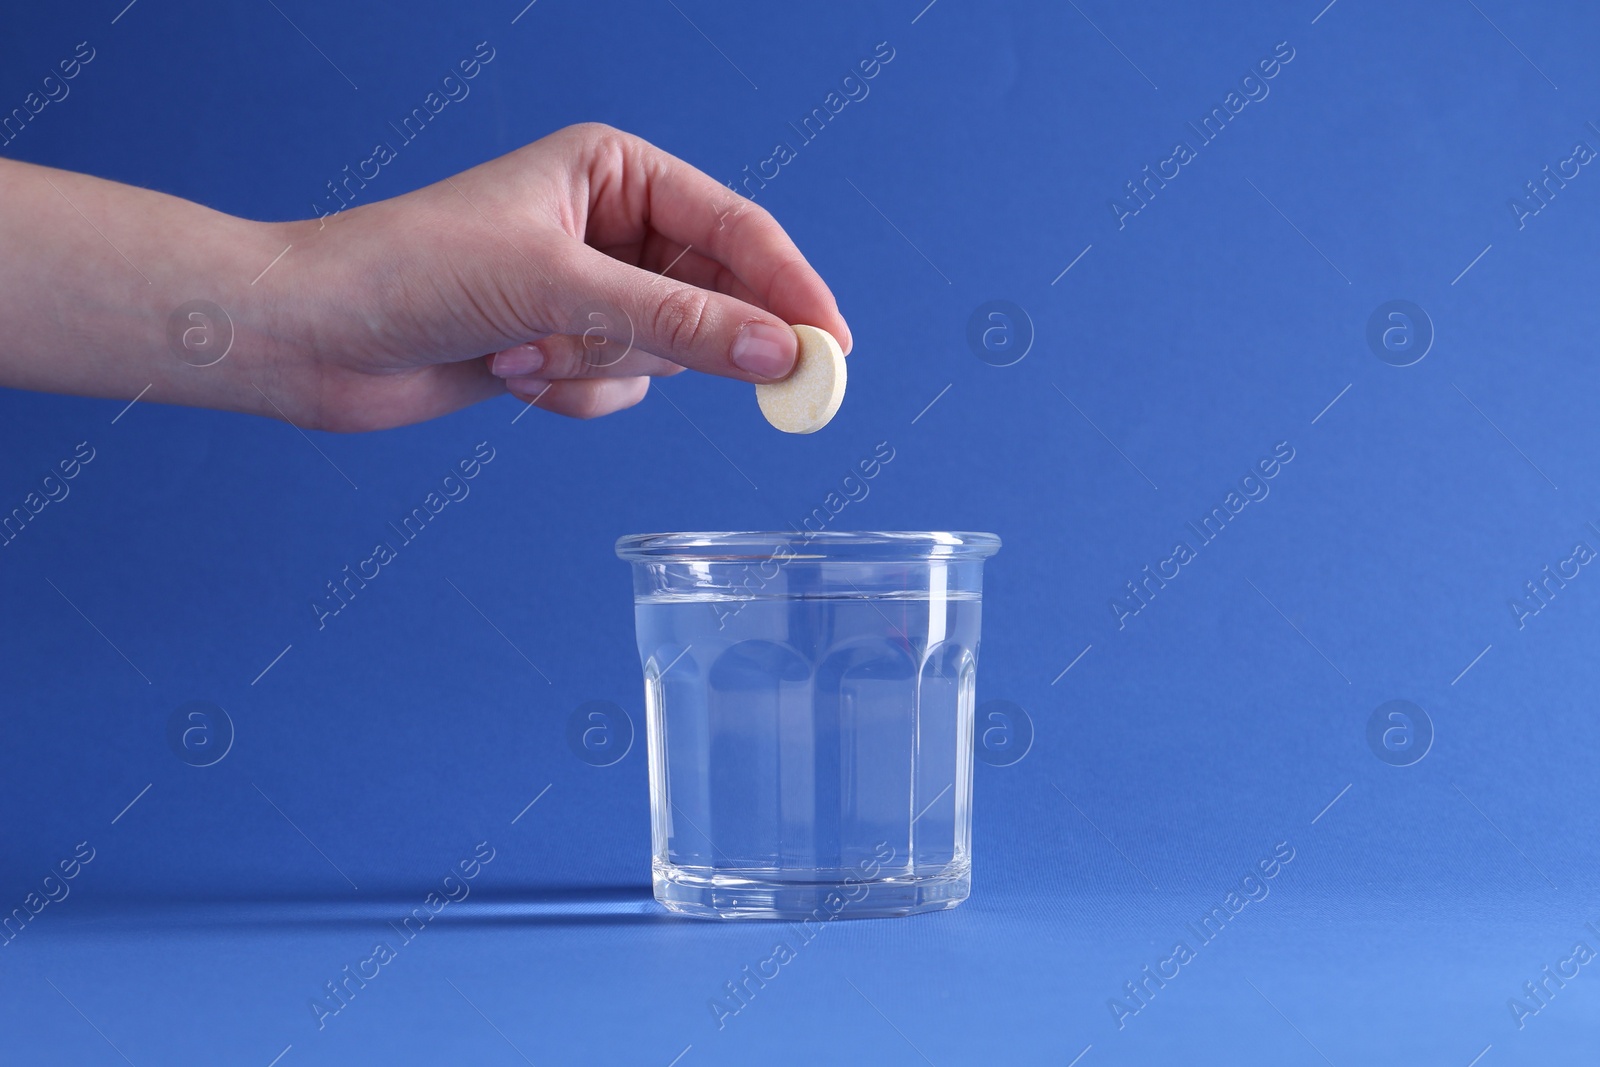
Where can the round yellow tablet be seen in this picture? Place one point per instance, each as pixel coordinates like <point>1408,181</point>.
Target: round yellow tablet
<point>807,400</point>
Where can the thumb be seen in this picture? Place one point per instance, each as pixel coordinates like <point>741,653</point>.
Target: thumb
<point>693,327</point>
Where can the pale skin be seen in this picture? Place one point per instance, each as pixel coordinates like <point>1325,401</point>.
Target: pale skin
<point>527,274</point>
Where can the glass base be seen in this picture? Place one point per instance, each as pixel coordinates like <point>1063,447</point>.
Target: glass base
<point>746,895</point>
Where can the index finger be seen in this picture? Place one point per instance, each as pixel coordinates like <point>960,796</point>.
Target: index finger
<point>690,207</point>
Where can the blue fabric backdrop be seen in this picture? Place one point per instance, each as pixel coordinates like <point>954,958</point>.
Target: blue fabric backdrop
<point>1351,244</point>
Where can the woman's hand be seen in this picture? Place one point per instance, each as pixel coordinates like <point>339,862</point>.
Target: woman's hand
<point>586,263</point>
<point>569,272</point>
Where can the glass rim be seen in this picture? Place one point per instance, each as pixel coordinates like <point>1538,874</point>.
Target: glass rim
<point>832,545</point>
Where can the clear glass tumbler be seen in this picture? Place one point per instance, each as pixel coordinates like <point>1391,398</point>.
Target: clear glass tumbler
<point>810,719</point>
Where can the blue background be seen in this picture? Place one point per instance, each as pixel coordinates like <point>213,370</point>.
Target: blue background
<point>1179,349</point>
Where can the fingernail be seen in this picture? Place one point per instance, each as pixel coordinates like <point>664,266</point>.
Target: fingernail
<point>764,350</point>
<point>517,362</point>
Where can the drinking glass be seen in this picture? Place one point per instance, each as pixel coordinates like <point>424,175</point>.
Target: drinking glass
<point>809,703</point>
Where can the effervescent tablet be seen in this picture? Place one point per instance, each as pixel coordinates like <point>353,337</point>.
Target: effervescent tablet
<point>807,400</point>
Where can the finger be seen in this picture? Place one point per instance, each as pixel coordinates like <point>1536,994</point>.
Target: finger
<point>635,187</point>
<point>661,255</point>
<point>690,266</point>
<point>563,356</point>
<point>581,398</point>
<point>695,327</point>
<point>697,211</point>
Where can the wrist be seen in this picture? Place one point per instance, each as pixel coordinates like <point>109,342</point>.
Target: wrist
<point>125,293</point>
<point>238,323</point>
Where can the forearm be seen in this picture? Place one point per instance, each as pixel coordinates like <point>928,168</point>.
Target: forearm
<point>92,271</point>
